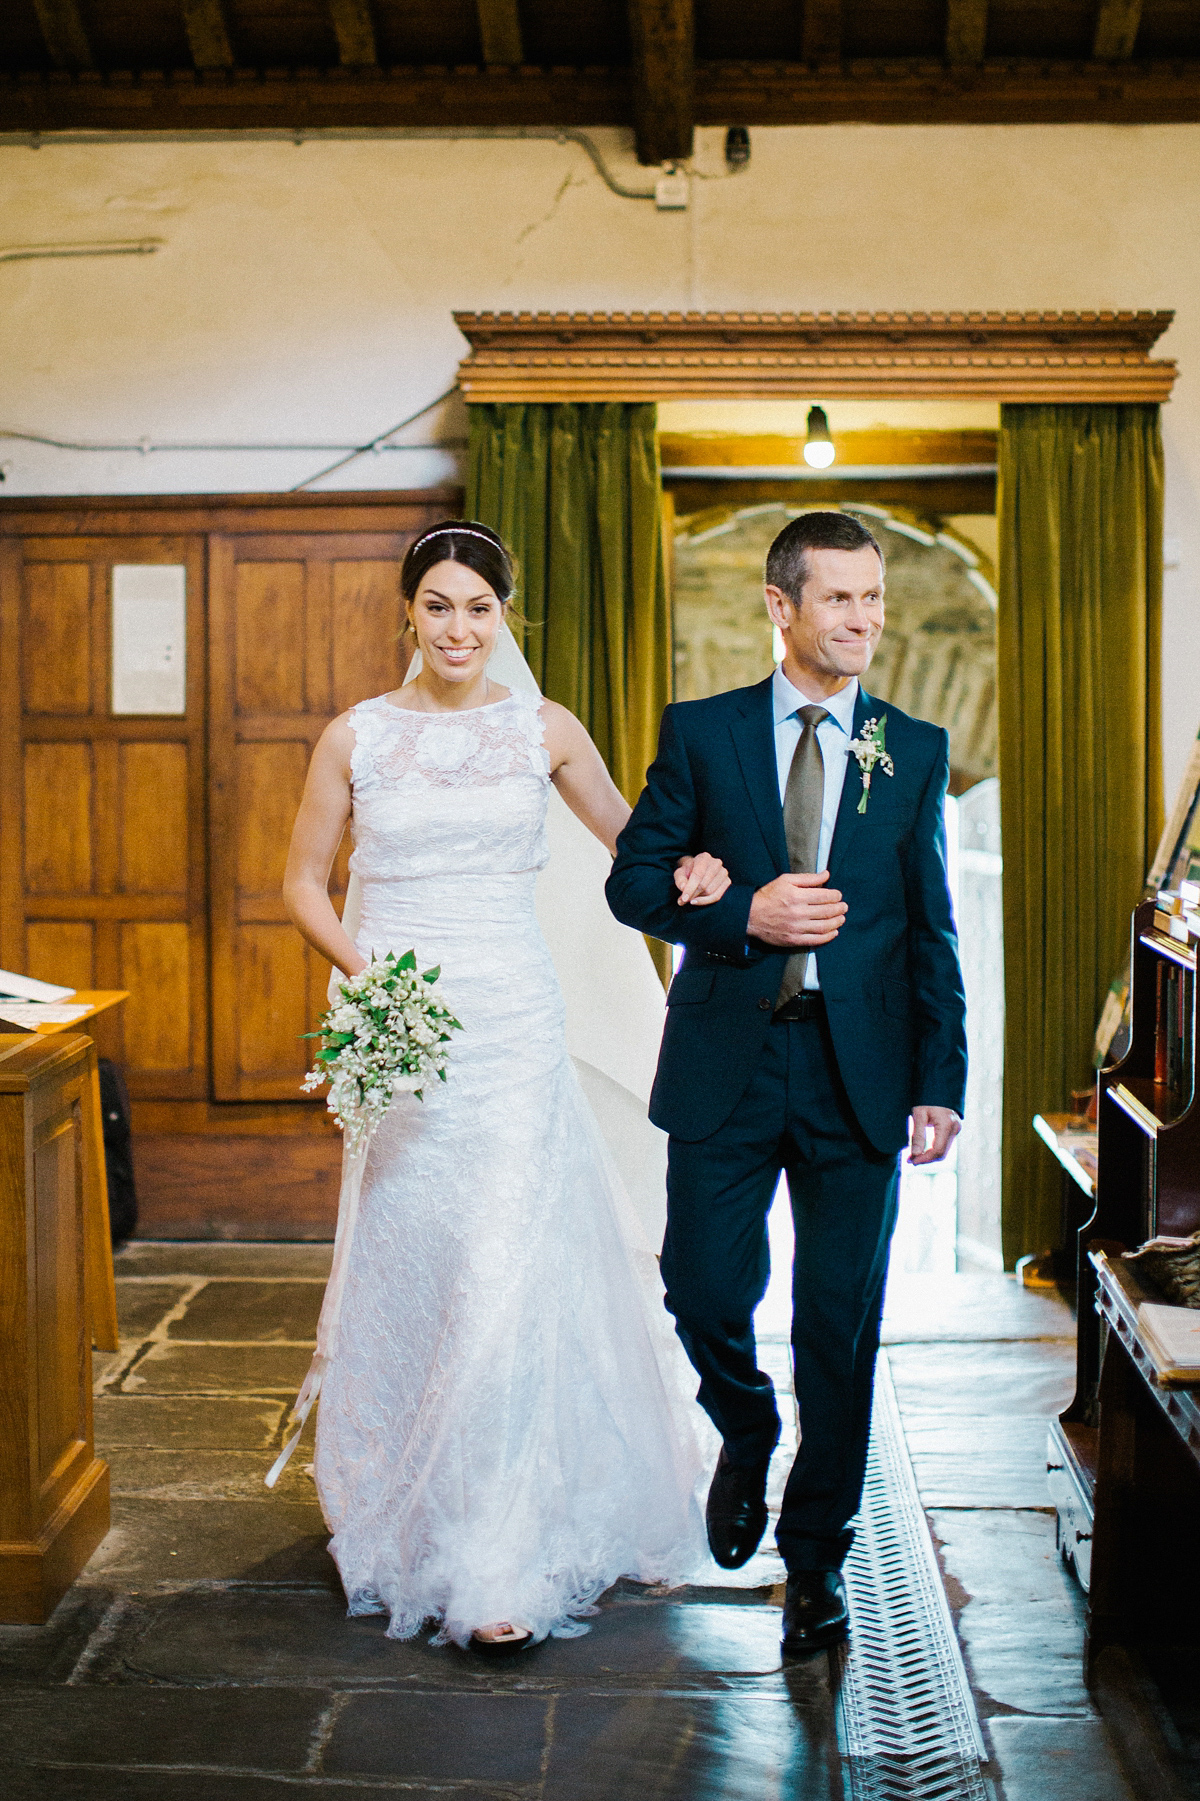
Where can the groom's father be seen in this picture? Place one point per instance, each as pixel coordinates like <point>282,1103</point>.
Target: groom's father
<point>815,1026</point>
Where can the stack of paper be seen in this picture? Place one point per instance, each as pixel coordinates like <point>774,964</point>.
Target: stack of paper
<point>24,988</point>
<point>32,1014</point>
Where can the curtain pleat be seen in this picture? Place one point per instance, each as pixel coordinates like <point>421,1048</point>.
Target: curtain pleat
<point>575,490</point>
<point>1079,644</point>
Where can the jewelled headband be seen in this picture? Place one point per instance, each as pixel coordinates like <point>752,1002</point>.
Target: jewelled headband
<point>464,531</point>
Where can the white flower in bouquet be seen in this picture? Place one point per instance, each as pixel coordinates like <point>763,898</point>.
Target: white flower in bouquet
<point>386,1035</point>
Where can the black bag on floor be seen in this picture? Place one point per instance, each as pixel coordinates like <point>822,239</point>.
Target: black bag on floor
<point>118,1151</point>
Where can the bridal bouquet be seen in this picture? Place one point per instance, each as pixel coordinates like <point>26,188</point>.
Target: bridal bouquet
<point>387,1035</point>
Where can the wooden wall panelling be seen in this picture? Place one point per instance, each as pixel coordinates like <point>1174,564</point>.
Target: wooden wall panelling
<point>177,515</point>
<point>112,828</point>
<point>12,777</point>
<point>300,627</point>
<point>265,1163</point>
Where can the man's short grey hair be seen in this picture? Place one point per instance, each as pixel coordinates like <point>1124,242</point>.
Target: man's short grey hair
<point>788,563</point>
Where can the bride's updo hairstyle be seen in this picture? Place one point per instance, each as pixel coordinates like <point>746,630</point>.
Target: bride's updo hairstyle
<point>460,541</point>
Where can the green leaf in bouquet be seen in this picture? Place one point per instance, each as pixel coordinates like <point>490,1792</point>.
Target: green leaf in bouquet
<point>407,961</point>
<point>431,975</point>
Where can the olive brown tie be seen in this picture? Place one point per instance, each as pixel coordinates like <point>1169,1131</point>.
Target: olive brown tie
<point>803,804</point>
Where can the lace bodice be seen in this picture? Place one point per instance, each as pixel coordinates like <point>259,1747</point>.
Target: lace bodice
<point>448,793</point>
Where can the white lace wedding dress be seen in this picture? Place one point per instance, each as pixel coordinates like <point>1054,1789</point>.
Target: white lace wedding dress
<point>506,1422</point>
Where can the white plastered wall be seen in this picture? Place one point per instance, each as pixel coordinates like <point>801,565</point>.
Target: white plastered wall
<point>302,294</point>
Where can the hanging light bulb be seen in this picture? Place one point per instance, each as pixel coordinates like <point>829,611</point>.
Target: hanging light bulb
<point>818,446</point>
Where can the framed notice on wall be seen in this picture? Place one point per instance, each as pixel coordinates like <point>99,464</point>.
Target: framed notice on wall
<point>149,638</point>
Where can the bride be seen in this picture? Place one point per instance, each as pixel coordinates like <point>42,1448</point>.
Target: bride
<point>506,1424</point>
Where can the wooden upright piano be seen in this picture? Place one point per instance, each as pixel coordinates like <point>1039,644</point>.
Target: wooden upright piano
<point>1124,1459</point>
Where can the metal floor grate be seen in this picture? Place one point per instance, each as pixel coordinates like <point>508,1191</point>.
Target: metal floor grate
<point>907,1725</point>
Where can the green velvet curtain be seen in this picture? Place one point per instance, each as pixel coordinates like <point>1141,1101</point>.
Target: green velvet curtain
<point>574,488</point>
<point>1078,641</point>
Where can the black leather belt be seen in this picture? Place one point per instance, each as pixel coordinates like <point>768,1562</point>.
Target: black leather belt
<point>800,1007</point>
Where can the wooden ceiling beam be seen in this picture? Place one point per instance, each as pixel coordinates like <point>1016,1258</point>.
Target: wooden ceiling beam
<point>1000,92</point>
<point>355,32</point>
<point>821,32</point>
<point>1117,23</point>
<point>63,33</point>
<point>500,33</point>
<point>966,32</point>
<point>663,39</point>
<point>881,446</point>
<point>925,495</point>
<point>207,33</point>
<point>738,93</point>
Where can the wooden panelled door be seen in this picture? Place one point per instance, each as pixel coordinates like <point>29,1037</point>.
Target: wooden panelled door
<point>147,852</point>
<point>300,627</point>
<point>105,886</point>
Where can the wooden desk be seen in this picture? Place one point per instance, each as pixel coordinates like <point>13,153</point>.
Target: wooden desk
<point>102,1294</point>
<point>53,1487</point>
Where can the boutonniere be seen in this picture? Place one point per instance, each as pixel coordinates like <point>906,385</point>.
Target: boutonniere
<point>869,749</point>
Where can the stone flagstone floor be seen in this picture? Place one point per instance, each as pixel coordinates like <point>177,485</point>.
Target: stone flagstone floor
<point>205,1654</point>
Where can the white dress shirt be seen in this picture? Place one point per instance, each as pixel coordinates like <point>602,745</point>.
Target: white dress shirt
<point>833,736</point>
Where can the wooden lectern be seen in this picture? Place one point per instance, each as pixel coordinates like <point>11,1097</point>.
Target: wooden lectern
<point>102,1295</point>
<point>54,1507</point>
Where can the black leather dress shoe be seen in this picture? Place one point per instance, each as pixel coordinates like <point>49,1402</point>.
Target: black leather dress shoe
<point>815,1613</point>
<point>736,1514</point>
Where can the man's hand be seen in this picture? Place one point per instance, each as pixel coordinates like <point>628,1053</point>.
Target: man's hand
<point>701,880</point>
<point>796,912</point>
<point>946,1127</point>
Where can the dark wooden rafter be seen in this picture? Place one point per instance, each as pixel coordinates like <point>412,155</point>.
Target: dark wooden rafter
<point>663,38</point>
<point>966,31</point>
<point>1116,32</point>
<point>997,92</point>
<point>208,34</point>
<point>63,33</point>
<point>821,33</point>
<point>355,33</point>
<point>500,32</point>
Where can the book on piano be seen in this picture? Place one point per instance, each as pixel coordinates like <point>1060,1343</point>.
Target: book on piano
<point>1172,1337</point>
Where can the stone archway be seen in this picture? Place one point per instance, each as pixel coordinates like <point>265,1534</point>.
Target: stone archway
<point>937,658</point>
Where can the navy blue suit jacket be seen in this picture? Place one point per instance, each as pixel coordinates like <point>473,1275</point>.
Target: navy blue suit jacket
<point>891,978</point>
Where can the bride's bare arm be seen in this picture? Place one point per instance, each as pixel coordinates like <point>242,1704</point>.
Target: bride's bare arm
<point>578,772</point>
<point>316,835</point>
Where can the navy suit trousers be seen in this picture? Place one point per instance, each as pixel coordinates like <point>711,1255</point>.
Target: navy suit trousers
<point>794,1117</point>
